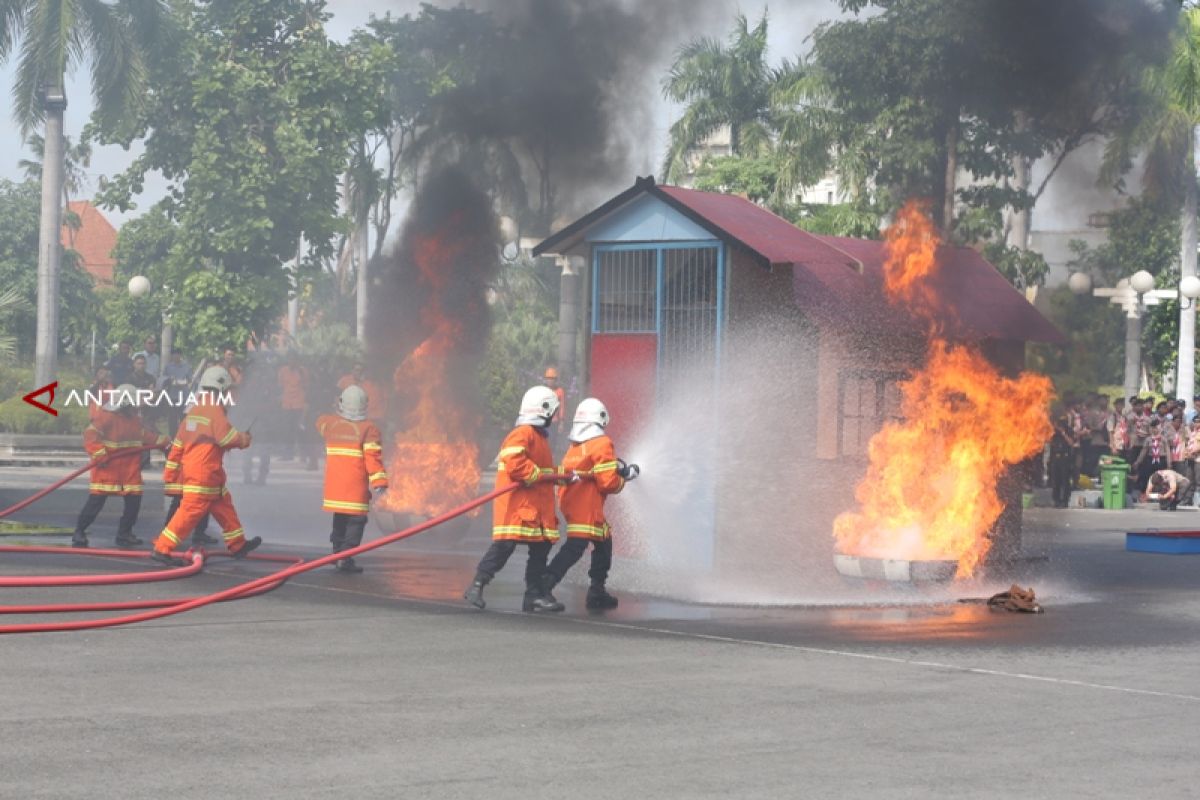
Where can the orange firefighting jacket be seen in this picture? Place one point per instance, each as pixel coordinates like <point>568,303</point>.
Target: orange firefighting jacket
<point>525,514</point>
<point>112,432</point>
<point>582,502</point>
<point>194,461</point>
<point>353,464</point>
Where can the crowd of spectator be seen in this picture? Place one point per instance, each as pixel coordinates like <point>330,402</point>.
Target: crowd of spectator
<point>1158,439</point>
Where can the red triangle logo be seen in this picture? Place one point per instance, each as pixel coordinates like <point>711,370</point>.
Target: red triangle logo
<point>49,387</point>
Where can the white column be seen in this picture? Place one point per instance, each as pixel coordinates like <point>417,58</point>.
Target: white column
<point>50,241</point>
<point>1186,376</point>
<point>1133,351</point>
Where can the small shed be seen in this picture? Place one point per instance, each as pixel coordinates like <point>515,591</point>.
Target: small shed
<point>693,299</point>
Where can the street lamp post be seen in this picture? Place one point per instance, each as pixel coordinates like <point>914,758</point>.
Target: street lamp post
<point>139,285</point>
<point>1134,295</point>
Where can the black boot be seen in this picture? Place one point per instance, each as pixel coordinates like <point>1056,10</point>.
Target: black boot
<point>249,546</point>
<point>347,565</point>
<point>202,538</point>
<point>536,601</point>
<point>166,559</point>
<point>79,540</point>
<point>474,592</point>
<point>127,539</point>
<point>549,581</point>
<point>598,599</point>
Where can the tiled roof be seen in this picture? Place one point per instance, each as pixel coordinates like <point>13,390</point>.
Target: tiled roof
<point>94,241</point>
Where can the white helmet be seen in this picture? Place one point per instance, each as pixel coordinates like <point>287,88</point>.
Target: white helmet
<point>124,396</point>
<point>538,406</point>
<point>352,405</point>
<point>216,378</point>
<point>591,418</point>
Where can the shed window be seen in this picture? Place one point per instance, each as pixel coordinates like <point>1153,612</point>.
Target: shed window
<point>626,291</point>
<point>865,402</point>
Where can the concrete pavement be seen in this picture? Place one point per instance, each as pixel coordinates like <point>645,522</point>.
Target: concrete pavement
<point>385,686</point>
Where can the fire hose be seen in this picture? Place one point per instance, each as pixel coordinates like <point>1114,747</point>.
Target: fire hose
<point>157,609</point>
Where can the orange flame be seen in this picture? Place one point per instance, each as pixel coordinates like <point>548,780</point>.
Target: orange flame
<point>930,490</point>
<point>434,464</point>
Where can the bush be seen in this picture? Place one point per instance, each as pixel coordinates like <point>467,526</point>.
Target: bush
<point>17,416</point>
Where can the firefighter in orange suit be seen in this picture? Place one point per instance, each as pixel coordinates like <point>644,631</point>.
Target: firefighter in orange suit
<point>591,457</point>
<point>173,489</point>
<point>525,515</point>
<point>116,427</point>
<point>199,449</point>
<point>353,469</point>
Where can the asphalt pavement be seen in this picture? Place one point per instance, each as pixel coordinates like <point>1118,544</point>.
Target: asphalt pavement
<point>384,685</point>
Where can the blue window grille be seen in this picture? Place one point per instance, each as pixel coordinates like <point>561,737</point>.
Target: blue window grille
<point>674,290</point>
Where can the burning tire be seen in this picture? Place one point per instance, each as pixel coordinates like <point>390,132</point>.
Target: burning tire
<point>895,570</point>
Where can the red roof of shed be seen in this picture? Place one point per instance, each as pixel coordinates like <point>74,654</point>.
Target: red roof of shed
<point>841,279</point>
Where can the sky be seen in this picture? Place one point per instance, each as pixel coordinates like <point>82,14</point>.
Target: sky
<point>791,23</point>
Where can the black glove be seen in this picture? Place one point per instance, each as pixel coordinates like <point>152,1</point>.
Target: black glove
<point>628,471</point>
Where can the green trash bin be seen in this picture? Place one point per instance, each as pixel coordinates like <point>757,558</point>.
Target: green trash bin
<point>1113,475</point>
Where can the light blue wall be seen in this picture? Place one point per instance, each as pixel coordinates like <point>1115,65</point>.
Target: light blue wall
<point>648,219</point>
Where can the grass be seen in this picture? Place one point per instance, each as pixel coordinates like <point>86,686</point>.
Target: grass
<point>30,529</point>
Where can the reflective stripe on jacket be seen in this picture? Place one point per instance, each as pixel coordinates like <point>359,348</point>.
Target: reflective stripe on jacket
<point>353,464</point>
<point>525,514</point>
<point>582,502</point>
<point>111,432</point>
<point>199,449</point>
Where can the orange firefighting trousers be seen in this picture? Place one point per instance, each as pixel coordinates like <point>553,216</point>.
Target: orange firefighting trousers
<point>192,509</point>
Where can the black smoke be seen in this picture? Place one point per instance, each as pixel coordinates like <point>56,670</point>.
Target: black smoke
<point>559,114</point>
<point>439,273</point>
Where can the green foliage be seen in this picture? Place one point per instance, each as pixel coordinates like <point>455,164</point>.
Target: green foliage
<point>20,208</point>
<point>523,340</point>
<point>328,351</point>
<point>58,35</point>
<point>252,122</point>
<point>722,84</point>
<point>17,416</point>
<point>1094,354</point>
<point>753,176</point>
<point>909,92</point>
<point>1143,235</point>
<point>839,219</point>
<point>142,247</point>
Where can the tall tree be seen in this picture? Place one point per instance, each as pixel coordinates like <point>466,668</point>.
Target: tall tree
<point>55,37</point>
<point>919,92</point>
<point>251,122</point>
<point>722,85</point>
<point>1165,133</point>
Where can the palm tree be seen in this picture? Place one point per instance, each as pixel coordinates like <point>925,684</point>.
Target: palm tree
<point>76,159</point>
<point>55,36</point>
<point>11,301</point>
<point>1166,134</point>
<point>721,85</point>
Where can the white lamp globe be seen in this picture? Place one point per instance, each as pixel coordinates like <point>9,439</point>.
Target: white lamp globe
<point>1079,283</point>
<point>1189,287</point>
<point>139,285</point>
<point>1141,281</point>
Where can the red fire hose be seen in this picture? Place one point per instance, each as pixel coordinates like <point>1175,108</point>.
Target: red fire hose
<point>164,608</point>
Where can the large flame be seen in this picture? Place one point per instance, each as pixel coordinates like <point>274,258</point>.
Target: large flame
<point>930,490</point>
<point>434,464</point>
